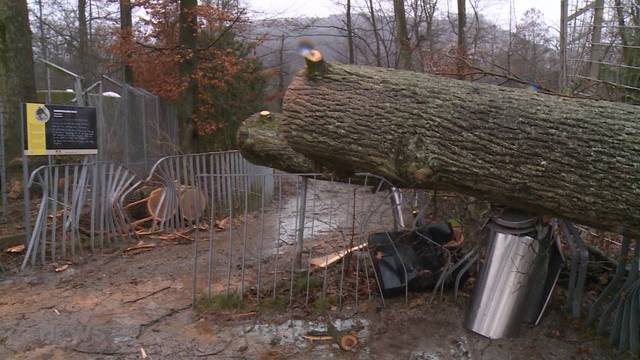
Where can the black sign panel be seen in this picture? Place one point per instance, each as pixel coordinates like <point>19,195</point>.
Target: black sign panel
<point>60,130</point>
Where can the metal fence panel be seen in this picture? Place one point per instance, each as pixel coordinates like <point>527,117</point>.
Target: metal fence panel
<point>81,209</point>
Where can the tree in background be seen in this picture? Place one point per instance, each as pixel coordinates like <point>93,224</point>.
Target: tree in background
<point>126,22</point>
<point>17,82</point>
<point>532,49</point>
<point>405,53</point>
<point>190,54</point>
<point>74,35</point>
<point>462,40</point>
<point>628,21</point>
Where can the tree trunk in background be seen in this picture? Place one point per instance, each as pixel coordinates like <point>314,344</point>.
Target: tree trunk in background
<point>595,57</point>
<point>402,36</point>
<point>573,158</point>
<point>376,33</point>
<point>126,23</point>
<point>350,33</point>
<point>462,39</point>
<point>17,80</point>
<point>281,72</point>
<point>83,35</point>
<point>188,99</point>
<point>630,38</point>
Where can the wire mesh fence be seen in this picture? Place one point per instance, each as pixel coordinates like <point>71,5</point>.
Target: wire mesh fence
<point>175,182</point>
<point>135,127</point>
<point>600,44</point>
<point>86,207</point>
<point>315,245</point>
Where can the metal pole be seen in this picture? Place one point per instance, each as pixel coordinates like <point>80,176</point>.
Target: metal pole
<point>302,204</point>
<point>396,205</point>
<point>25,178</point>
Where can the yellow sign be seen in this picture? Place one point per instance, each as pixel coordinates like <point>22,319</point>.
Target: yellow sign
<point>37,116</point>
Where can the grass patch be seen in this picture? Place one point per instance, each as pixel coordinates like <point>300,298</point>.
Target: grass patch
<point>272,304</point>
<point>321,305</point>
<point>300,282</point>
<point>231,301</point>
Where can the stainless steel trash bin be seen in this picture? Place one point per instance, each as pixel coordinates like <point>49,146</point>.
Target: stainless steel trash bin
<point>499,299</point>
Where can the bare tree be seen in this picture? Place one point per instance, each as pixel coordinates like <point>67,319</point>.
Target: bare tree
<point>462,41</point>
<point>376,32</point>
<point>83,36</point>
<point>125,31</point>
<point>402,36</point>
<point>429,9</point>
<point>350,33</point>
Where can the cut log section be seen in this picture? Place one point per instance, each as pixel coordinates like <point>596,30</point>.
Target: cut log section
<point>157,205</point>
<point>192,204</point>
<point>324,261</point>
<point>573,158</point>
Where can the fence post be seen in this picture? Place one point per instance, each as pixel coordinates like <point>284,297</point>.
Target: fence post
<point>301,215</point>
<point>25,178</point>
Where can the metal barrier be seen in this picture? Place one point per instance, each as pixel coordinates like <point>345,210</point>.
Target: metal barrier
<point>70,193</point>
<point>308,247</point>
<point>177,176</point>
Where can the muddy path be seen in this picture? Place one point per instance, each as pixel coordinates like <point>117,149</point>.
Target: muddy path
<point>115,306</point>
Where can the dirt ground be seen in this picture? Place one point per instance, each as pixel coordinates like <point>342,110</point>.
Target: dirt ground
<point>114,306</point>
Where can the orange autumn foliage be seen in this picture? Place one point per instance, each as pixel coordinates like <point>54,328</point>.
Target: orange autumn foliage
<point>153,51</point>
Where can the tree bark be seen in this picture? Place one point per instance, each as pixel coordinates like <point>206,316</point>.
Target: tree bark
<point>572,158</point>
<point>17,80</point>
<point>261,143</point>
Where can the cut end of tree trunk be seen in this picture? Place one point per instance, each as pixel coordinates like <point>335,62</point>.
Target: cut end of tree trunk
<point>261,143</point>
<point>316,67</point>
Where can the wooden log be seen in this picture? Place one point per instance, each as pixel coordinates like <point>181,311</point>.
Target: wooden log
<point>574,158</point>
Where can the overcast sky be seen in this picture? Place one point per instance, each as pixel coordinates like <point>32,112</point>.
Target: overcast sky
<point>492,9</point>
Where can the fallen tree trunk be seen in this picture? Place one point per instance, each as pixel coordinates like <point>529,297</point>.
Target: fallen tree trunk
<point>261,143</point>
<point>578,159</point>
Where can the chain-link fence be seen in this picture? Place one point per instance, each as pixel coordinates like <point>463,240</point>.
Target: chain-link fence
<point>135,127</point>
